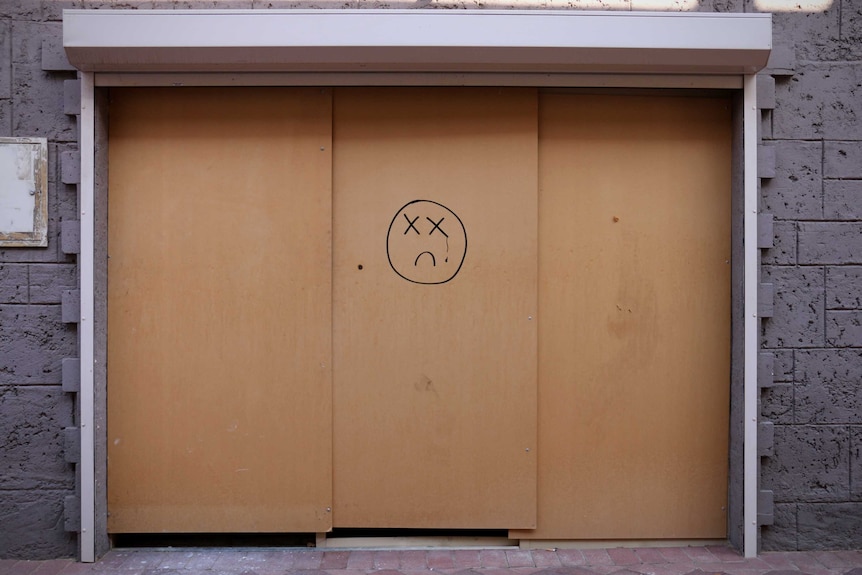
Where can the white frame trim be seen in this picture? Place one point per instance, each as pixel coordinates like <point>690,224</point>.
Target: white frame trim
<point>751,340</point>
<point>86,333</point>
<point>649,75</point>
<point>552,41</point>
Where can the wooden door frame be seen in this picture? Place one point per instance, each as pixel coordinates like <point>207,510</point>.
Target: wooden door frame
<point>681,53</point>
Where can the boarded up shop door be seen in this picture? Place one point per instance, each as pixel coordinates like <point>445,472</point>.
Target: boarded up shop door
<point>434,333</point>
<point>634,302</point>
<point>323,312</point>
<point>219,311</point>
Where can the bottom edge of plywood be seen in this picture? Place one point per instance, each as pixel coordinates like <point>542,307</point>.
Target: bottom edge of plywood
<point>612,543</point>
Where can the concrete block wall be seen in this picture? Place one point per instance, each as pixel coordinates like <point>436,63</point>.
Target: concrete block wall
<point>35,478</point>
<point>812,113</point>
<point>815,196</point>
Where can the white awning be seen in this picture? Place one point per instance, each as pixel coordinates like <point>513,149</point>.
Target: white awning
<point>471,41</point>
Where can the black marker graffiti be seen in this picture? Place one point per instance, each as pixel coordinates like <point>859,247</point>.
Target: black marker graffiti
<point>439,234</point>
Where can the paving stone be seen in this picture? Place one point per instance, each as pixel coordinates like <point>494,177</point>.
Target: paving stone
<point>386,560</point>
<point>623,556</point>
<point>700,554</point>
<point>564,570</point>
<point>597,557</point>
<point>465,558</point>
<point>649,555</point>
<point>571,557</point>
<point>308,560</point>
<point>519,558</point>
<point>546,558</point>
<point>334,560</point>
<point>439,559</point>
<point>360,560</point>
<point>493,558</point>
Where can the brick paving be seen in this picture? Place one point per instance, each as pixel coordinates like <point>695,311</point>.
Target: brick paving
<point>711,560</point>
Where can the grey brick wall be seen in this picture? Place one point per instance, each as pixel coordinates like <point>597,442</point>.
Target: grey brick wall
<point>35,478</point>
<point>815,472</point>
<point>815,334</point>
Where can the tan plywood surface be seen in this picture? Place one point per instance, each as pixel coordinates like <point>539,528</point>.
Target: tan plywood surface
<point>435,372</point>
<point>219,310</point>
<point>634,317</point>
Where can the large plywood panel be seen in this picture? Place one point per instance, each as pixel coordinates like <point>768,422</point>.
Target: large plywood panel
<point>219,310</point>
<point>634,317</point>
<point>434,333</point>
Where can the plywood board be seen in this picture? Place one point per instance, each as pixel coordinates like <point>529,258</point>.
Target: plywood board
<point>219,310</point>
<point>634,317</point>
<point>434,302</point>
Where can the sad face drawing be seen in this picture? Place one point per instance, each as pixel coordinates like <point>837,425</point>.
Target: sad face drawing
<point>426,243</point>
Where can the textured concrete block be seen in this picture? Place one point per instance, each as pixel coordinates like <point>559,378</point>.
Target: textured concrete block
<point>70,301</point>
<point>18,10</point>
<point>842,159</point>
<point>765,92</point>
<point>72,445</point>
<point>783,250</point>
<point>811,34</point>
<point>5,118</point>
<point>842,199</point>
<point>27,37</point>
<point>54,56</point>
<point>13,283</point>
<point>70,237</point>
<point>765,440</point>
<point>844,328</point>
<point>33,343</point>
<point>72,99</point>
<point>810,463</point>
<point>37,98</point>
<point>72,513</point>
<point>765,369</point>
<point>781,535</point>
<point>856,463</point>
<point>765,507</point>
<point>829,526</point>
<point>844,287</point>
<point>765,231</point>
<point>71,375</point>
<point>798,319</point>
<point>830,243</point>
<point>820,101</point>
<point>766,161</point>
<point>829,386</point>
<point>784,365</point>
<point>33,525</point>
<point>795,191</point>
<point>53,10</point>
<point>782,61</point>
<point>49,281</point>
<point>765,300</point>
<point>70,167</point>
<point>33,441</point>
<point>776,404</point>
<point>5,60</point>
